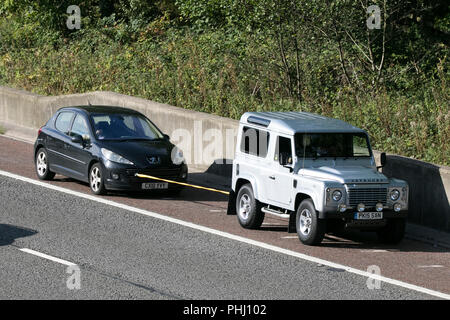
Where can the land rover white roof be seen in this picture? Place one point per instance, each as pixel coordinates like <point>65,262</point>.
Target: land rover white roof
<point>293,122</point>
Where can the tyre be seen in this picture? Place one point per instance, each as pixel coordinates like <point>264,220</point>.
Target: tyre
<point>96,179</point>
<point>393,232</point>
<point>310,228</point>
<point>248,208</point>
<point>43,166</point>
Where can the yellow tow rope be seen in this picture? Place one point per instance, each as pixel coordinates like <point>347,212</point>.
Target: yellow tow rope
<point>180,183</point>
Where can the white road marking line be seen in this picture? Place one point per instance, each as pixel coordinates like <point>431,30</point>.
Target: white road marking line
<point>290,237</point>
<point>375,250</point>
<point>215,210</point>
<point>46,256</point>
<point>231,236</point>
<point>273,223</point>
<point>432,266</point>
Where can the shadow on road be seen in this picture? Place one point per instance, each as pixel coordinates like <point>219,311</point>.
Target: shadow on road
<point>353,239</point>
<point>9,233</point>
<point>187,194</point>
<point>348,239</point>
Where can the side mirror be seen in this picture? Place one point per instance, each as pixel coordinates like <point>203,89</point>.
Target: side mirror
<point>382,160</point>
<point>286,160</point>
<point>166,136</point>
<point>76,138</point>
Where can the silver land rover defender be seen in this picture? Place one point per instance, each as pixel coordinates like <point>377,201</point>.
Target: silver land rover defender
<point>318,172</point>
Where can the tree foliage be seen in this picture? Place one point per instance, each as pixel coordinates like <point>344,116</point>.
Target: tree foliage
<point>231,56</point>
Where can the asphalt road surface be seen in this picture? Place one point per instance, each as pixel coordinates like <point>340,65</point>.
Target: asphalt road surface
<point>130,247</point>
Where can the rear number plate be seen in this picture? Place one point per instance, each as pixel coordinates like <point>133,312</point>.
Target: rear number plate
<point>155,185</point>
<point>368,215</point>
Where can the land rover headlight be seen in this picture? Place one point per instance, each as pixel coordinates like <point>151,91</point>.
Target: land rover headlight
<point>177,156</point>
<point>114,157</point>
<point>337,195</point>
<point>394,195</point>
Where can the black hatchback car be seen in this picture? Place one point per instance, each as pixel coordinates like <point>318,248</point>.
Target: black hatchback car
<point>106,146</point>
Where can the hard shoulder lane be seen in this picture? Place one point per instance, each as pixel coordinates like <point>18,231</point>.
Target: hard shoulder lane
<point>124,255</point>
<point>203,208</point>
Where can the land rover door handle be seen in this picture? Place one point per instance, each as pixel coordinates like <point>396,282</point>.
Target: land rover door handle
<point>272,177</point>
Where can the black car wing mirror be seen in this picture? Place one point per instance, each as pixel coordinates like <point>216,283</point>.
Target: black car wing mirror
<point>76,138</point>
<point>166,136</point>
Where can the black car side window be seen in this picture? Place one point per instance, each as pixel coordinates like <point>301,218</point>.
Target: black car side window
<point>80,127</point>
<point>63,121</point>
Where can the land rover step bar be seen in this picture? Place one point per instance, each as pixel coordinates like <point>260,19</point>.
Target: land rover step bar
<point>291,225</point>
<point>275,212</point>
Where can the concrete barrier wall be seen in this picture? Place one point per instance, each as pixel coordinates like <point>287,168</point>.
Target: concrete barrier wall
<point>204,138</point>
<point>197,132</point>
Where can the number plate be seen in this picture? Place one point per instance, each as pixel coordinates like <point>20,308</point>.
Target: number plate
<point>155,185</point>
<point>368,215</point>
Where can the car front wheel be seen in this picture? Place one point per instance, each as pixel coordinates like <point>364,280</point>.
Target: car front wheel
<point>96,180</point>
<point>310,228</point>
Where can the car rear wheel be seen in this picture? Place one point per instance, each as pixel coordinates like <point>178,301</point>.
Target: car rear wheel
<point>310,228</point>
<point>96,180</point>
<point>248,208</point>
<point>43,166</point>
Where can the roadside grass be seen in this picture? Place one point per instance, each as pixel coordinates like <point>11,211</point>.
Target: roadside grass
<point>2,130</point>
<point>234,76</point>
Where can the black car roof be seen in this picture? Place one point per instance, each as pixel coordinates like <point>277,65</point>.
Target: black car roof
<point>101,109</point>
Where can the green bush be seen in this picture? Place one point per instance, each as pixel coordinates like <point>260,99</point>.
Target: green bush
<point>230,70</point>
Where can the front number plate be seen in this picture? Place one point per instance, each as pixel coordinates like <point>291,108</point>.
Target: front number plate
<point>155,185</point>
<point>368,215</point>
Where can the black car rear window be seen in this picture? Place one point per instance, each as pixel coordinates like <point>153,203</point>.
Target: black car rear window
<point>63,121</point>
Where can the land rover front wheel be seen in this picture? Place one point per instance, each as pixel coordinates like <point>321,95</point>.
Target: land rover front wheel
<point>393,232</point>
<point>248,208</point>
<point>310,228</point>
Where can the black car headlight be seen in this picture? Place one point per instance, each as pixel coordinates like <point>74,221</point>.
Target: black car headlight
<point>114,157</point>
<point>177,156</point>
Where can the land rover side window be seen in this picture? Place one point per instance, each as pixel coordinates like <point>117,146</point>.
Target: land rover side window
<point>80,127</point>
<point>255,142</point>
<point>283,151</point>
<point>332,145</point>
<point>63,121</point>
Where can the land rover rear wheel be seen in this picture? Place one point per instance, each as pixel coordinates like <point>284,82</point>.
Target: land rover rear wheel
<point>248,208</point>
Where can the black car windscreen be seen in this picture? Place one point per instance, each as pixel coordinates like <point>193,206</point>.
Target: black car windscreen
<point>124,126</point>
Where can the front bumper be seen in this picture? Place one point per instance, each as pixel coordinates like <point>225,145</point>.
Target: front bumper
<point>349,214</point>
<point>121,178</point>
